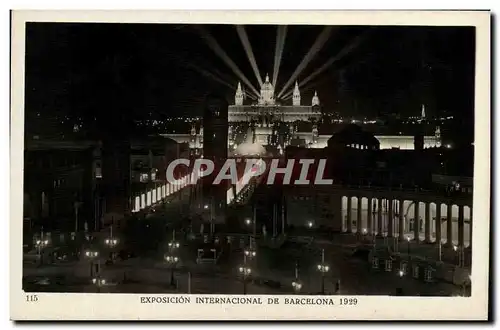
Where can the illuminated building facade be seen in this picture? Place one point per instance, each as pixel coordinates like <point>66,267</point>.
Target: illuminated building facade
<point>274,125</point>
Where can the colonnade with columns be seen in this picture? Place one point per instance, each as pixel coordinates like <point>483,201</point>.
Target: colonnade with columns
<point>157,193</point>
<point>441,221</point>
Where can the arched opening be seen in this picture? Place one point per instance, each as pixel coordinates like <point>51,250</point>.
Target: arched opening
<point>363,224</point>
<point>408,217</point>
<point>396,207</point>
<point>444,217</point>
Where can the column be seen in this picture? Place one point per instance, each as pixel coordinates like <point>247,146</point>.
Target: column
<point>359,221</point>
<point>470,228</point>
<point>416,222</point>
<point>427,222</point>
<point>349,211</point>
<point>449,227</point>
<point>401,220</point>
<point>390,221</point>
<point>438,223</point>
<point>461,226</point>
<point>369,217</point>
<point>379,217</point>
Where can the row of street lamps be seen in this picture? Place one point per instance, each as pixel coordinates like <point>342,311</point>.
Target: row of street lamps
<point>111,242</point>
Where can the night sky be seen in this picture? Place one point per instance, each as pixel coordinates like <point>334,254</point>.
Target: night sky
<point>132,71</point>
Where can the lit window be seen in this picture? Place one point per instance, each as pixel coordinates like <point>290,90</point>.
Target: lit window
<point>144,177</point>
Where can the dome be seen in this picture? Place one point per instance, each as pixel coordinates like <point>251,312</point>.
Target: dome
<point>249,149</point>
<point>266,93</point>
<point>267,84</point>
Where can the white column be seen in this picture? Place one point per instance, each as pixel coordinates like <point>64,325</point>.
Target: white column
<point>349,212</point>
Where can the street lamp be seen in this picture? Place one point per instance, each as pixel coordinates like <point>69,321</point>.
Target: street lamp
<point>173,244</point>
<point>245,271</point>
<point>40,245</point>
<point>91,255</point>
<point>99,282</point>
<point>172,260</point>
<point>310,224</point>
<point>111,242</point>
<point>323,268</point>
<point>296,284</point>
<point>250,253</point>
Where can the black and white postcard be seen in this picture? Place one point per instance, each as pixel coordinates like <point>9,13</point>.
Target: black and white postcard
<point>250,165</point>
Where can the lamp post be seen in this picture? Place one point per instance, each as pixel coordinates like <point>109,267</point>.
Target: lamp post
<point>323,268</point>
<point>99,282</point>
<point>250,253</point>
<point>408,250</point>
<point>40,245</point>
<point>171,258</point>
<point>111,242</point>
<point>456,249</point>
<point>173,244</point>
<point>91,255</point>
<point>172,261</point>
<point>245,271</point>
<point>296,284</point>
<point>399,289</point>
